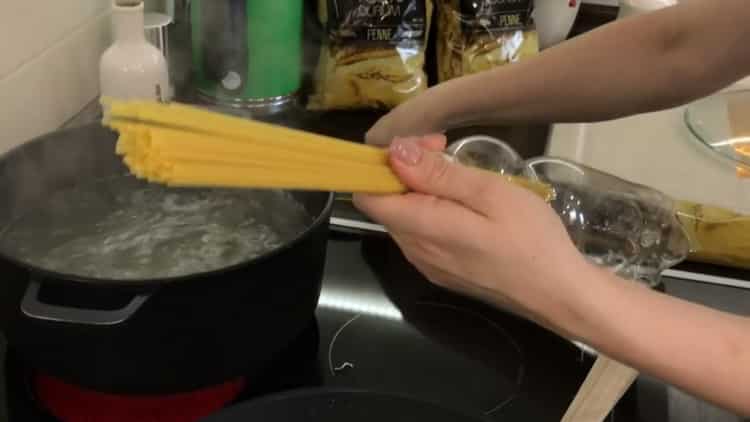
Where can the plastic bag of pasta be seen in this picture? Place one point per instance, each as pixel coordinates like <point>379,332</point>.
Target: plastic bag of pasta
<point>477,35</point>
<point>373,55</point>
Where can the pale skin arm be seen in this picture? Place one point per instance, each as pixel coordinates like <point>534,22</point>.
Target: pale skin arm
<point>701,350</point>
<point>475,233</point>
<point>640,64</point>
<point>637,65</point>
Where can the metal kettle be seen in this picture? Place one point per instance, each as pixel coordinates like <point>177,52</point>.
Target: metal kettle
<point>243,53</point>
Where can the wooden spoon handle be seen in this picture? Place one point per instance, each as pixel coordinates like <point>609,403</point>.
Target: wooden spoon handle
<point>604,386</point>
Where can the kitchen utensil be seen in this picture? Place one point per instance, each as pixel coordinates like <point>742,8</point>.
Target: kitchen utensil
<point>147,335</point>
<point>334,405</point>
<point>604,386</point>
<point>637,7</point>
<point>721,123</point>
<point>132,67</point>
<point>554,20</point>
<point>247,53</point>
<point>160,6</point>
<point>156,27</point>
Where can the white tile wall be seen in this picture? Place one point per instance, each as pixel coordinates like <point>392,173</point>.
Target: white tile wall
<point>28,28</point>
<point>49,55</point>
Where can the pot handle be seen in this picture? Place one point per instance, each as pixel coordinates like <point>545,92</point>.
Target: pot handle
<point>33,308</point>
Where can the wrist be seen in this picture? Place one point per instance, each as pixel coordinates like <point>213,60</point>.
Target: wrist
<point>443,107</point>
<point>452,112</point>
<point>578,307</point>
<point>419,116</point>
<point>602,314</point>
<point>476,99</point>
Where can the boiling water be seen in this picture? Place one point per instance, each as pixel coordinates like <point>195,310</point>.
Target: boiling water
<point>122,228</point>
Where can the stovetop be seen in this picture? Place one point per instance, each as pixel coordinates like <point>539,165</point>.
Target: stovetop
<point>382,327</point>
<point>438,346</point>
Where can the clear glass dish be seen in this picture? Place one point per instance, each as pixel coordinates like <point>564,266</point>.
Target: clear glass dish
<point>721,123</point>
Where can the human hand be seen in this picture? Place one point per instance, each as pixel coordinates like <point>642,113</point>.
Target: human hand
<point>473,232</point>
<point>419,116</point>
<point>451,104</point>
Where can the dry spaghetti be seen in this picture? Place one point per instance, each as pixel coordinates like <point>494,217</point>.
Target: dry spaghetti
<point>180,145</point>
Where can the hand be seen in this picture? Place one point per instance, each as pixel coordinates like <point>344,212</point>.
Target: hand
<point>475,233</point>
<point>416,117</point>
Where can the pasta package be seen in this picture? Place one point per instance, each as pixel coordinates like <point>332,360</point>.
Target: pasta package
<point>477,35</point>
<point>373,55</point>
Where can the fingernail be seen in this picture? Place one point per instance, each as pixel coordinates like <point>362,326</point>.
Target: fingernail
<point>406,150</point>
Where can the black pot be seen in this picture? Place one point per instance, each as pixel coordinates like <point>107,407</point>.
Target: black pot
<point>148,336</point>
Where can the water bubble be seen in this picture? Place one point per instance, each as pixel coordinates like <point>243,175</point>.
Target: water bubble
<point>132,230</point>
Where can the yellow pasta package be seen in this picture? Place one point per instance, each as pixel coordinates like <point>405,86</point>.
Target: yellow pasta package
<point>477,35</point>
<point>373,55</point>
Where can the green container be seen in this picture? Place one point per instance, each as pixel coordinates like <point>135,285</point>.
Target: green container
<point>247,52</point>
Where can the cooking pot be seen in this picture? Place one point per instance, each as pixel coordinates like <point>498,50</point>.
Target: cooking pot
<point>148,336</point>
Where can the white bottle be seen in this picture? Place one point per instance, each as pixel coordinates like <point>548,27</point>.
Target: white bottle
<point>637,7</point>
<point>132,68</point>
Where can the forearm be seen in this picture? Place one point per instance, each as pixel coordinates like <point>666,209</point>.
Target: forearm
<point>701,350</point>
<point>647,63</point>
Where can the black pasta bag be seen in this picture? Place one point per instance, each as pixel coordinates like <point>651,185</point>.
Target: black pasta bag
<point>373,55</point>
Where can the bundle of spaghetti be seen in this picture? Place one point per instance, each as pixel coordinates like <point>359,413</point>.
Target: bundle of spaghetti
<point>181,145</point>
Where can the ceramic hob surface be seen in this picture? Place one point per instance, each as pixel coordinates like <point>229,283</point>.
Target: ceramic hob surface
<point>381,327</point>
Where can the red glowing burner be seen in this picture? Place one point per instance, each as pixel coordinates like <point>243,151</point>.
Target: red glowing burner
<point>69,403</point>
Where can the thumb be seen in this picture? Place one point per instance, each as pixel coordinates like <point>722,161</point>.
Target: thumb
<point>427,171</point>
<point>382,132</point>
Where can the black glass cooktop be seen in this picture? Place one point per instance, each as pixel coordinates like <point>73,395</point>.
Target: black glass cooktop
<point>380,327</point>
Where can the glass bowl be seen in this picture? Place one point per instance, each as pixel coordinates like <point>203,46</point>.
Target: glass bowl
<point>721,123</point>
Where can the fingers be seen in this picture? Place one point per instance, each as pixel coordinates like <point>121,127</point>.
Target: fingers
<point>434,142</point>
<point>409,213</point>
<point>442,275</point>
<point>412,118</point>
<point>418,214</point>
<point>381,133</point>
<point>427,171</point>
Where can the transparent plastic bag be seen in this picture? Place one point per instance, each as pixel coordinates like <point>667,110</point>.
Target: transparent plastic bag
<point>477,35</point>
<point>373,55</point>
<point>628,228</point>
